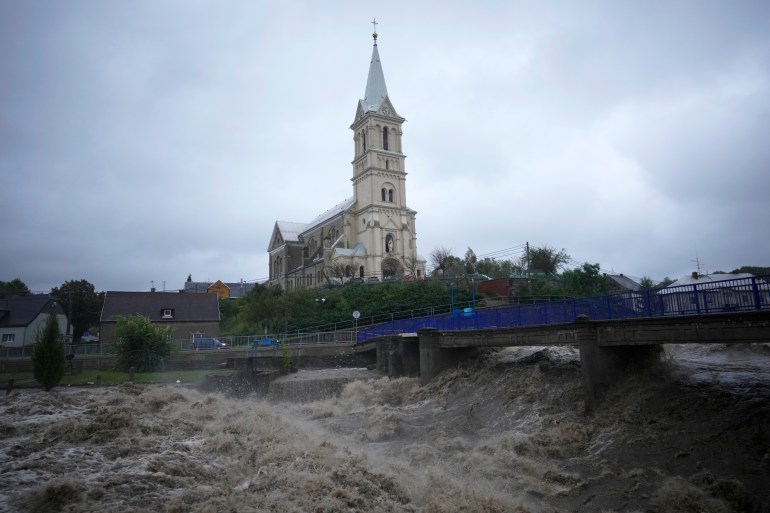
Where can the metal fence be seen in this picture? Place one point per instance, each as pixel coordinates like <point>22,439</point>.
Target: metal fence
<point>743,294</point>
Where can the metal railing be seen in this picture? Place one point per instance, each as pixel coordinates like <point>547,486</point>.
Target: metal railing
<point>741,294</point>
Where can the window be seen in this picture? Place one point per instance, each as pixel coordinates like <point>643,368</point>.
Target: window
<point>363,140</point>
<point>361,272</point>
<point>383,194</point>
<point>387,165</point>
<point>9,337</point>
<point>390,196</point>
<point>167,313</point>
<point>384,138</point>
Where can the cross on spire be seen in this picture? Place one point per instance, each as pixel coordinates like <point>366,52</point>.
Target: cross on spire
<point>374,34</point>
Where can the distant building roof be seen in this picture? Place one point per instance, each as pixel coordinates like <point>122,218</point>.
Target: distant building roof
<point>237,289</point>
<point>696,278</point>
<point>22,310</point>
<point>623,282</point>
<point>186,307</point>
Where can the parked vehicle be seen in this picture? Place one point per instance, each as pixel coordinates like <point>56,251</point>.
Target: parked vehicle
<point>204,343</point>
<point>373,279</point>
<point>264,342</point>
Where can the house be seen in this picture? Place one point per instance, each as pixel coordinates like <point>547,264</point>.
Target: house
<point>620,283</point>
<point>23,318</point>
<point>190,315</point>
<point>698,293</point>
<point>223,290</point>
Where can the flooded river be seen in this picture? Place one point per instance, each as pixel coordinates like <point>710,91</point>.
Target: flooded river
<point>505,432</point>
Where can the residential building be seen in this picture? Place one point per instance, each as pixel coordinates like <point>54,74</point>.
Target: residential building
<point>223,290</point>
<point>190,315</point>
<point>23,318</point>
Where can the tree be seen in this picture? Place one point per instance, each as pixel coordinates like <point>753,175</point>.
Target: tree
<point>82,304</point>
<point>470,261</point>
<point>439,258</point>
<point>48,355</point>
<point>189,278</point>
<point>411,264</point>
<point>646,283</point>
<point>15,287</point>
<point>586,280</point>
<point>545,258</point>
<point>140,344</point>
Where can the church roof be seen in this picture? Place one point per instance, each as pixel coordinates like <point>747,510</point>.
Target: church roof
<point>290,231</point>
<point>335,210</point>
<point>376,91</point>
<point>358,250</point>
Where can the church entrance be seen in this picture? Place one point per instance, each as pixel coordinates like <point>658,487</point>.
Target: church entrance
<point>391,267</point>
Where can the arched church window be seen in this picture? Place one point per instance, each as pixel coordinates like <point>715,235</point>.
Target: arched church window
<point>363,140</point>
<point>390,196</point>
<point>383,194</point>
<point>361,272</point>
<point>384,138</point>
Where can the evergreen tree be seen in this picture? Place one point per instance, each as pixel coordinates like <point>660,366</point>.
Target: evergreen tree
<point>48,355</point>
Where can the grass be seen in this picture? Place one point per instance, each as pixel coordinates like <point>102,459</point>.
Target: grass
<point>110,377</point>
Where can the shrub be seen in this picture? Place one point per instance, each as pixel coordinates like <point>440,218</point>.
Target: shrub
<point>48,355</point>
<point>140,344</point>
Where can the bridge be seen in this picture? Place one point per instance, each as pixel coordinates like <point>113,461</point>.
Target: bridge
<point>608,349</point>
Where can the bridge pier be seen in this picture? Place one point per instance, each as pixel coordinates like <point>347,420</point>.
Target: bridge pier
<point>603,367</point>
<point>434,358</point>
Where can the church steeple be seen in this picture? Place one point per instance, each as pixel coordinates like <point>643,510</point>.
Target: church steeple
<point>376,91</point>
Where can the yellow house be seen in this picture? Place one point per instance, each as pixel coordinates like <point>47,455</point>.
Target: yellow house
<point>220,289</point>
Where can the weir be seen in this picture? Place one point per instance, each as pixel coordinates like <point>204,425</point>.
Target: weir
<point>609,350</point>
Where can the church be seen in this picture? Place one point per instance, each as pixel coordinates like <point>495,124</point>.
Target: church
<point>370,236</point>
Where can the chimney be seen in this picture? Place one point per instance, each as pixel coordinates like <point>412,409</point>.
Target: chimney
<point>695,275</point>
<point>152,286</point>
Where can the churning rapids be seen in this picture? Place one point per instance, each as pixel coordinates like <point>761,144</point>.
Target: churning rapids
<point>504,432</point>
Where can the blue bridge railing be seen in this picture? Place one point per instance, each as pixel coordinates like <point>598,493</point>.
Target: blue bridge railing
<point>707,297</point>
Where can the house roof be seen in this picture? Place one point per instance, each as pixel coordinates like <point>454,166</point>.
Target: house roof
<point>624,282</point>
<point>356,251</point>
<point>694,278</point>
<point>237,289</point>
<point>187,307</point>
<point>22,310</point>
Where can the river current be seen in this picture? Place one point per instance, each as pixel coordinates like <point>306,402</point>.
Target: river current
<point>505,432</point>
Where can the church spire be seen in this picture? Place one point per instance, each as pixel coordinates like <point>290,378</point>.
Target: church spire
<point>376,91</point>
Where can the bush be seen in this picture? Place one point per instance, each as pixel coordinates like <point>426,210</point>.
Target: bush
<point>140,344</point>
<point>48,355</point>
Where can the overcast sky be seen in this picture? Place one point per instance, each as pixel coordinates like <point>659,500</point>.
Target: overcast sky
<point>141,141</point>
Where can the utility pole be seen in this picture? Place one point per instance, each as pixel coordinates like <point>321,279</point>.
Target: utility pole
<point>529,277</point>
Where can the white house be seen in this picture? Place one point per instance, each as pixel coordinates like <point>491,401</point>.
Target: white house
<point>23,318</point>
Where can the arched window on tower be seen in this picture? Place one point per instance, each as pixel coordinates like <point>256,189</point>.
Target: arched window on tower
<point>390,196</point>
<point>384,138</point>
<point>363,141</point>
<point>383,194</point>
<point>387,164</point>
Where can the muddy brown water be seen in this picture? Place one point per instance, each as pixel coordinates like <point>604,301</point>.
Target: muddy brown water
<point>504,432</point>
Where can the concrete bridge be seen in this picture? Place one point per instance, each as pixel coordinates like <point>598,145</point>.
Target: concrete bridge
<point>608,349</point>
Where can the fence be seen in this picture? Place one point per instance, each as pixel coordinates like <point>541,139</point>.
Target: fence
<point>743,294</point>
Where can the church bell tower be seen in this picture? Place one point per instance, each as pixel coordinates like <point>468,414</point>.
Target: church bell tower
<point>384,224</point>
